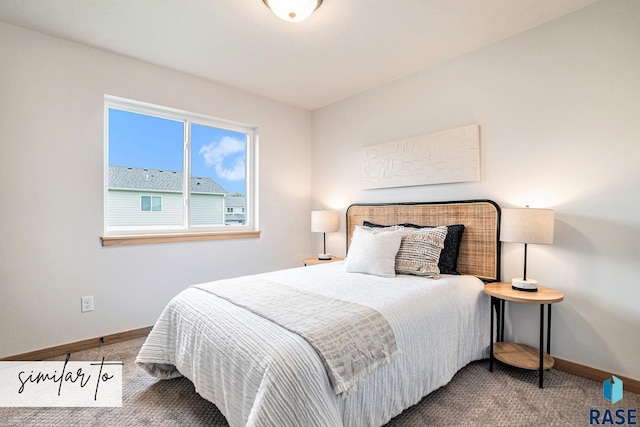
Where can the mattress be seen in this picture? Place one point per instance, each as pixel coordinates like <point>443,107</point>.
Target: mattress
<point>260,374</point>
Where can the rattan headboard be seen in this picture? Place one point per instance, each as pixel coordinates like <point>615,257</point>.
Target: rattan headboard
<point>480,250</point>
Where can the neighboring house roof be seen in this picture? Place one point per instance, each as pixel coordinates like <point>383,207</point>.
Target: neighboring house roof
<point>235,201</point>
<point>129,178</point>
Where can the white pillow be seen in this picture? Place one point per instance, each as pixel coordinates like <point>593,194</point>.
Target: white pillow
<point>373,252</point>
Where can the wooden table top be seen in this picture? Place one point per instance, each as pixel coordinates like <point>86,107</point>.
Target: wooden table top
<point>506,292</point>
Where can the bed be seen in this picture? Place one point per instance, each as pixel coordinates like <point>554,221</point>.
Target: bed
<point>261,373</point>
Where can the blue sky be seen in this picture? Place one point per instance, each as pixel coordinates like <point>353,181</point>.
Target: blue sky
<point>138,140</point>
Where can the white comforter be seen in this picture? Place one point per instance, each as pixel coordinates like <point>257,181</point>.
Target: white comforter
<point>259,374</point>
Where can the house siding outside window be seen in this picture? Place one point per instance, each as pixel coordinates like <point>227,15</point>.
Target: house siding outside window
<point>128,187</point>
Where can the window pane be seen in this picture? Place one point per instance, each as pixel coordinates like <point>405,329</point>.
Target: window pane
<point>218,169</point>
<point>145,156</point>
<point>156,203</point>
<point>145,203</point>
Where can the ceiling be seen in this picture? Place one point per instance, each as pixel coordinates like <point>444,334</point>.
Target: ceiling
<point>345,47</point>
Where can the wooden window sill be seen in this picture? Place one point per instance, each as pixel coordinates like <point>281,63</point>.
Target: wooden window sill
<point>148,239</point>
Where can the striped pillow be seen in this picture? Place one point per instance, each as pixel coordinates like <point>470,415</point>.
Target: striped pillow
<point>420,251</point>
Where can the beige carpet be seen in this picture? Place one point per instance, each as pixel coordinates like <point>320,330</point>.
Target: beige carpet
<point>475,397</point>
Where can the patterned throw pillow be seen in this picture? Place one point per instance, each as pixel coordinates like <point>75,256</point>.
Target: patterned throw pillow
<point>420,251</point>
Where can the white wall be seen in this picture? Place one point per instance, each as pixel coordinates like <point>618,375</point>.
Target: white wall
<point>51,193</point>
<point>560,118</point>
<point>559,108</point>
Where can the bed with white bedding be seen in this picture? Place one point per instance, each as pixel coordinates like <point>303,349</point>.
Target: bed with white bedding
<point>259,373</point>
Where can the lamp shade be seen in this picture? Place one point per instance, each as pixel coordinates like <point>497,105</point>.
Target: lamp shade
<point>527,225</point>
<point>293,10</point>
<point>324,221</point>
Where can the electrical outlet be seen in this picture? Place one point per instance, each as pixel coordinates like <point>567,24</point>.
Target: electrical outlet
<point>86,304</point>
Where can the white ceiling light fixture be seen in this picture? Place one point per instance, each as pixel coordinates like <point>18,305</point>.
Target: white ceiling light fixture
<point>293,10</point>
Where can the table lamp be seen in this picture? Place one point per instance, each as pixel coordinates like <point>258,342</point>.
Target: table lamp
<point>324,222</point>
<point>526,225</point>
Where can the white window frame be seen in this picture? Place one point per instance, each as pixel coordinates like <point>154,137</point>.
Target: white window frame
<point>248,230</point>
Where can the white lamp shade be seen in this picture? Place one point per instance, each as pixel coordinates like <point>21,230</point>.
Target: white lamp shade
<point>527,225</point>
<point>324,221</point>
<point>293,10</point>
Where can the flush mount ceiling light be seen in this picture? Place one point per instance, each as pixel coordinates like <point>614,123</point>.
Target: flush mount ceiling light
<point>293,10</point>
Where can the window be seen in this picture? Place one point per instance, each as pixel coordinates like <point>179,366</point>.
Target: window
<point>150,203</point>
<point>170,171</point>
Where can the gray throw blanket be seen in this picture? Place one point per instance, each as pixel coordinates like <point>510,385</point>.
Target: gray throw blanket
<point>352,340</point>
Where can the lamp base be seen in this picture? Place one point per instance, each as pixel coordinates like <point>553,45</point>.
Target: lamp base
<point>324,257</point>
<point>528,285</point>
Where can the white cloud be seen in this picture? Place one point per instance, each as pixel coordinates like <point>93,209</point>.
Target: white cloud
<point>223,157</point>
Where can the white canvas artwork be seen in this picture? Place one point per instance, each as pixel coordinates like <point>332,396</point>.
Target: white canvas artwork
<point>442,157</point>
